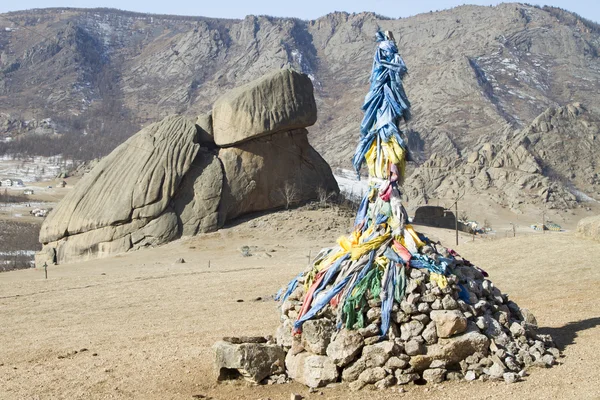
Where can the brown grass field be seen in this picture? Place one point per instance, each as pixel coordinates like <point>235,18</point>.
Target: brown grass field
<point>140,326</point>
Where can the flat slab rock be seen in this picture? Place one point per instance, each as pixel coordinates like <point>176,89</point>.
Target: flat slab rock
<point>253,361</point>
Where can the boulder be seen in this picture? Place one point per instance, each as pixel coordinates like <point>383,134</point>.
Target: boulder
<point>125,201</point>
<point>448,322</point>
<point>589,227</point>
<point>457,348</point>
<point>270,172</point>
<point>344,347</point>
<point>316,335</point>
<point>199,195</point>
<point>280,101</point>
<point>311,370</point>
<point>205,129</point>
<point>253,361</point>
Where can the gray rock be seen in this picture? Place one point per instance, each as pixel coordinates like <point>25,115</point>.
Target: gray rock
<point>448,322</point>
<point>496,371</point>
<point>205,129</point>
<point>470,376</point>
<point>385,383</point>
<point>424,308</point>
<point>436,305</point>
<point>437,364</point>
<point>510,377</point>
<point>457,348</point>
<point>396,363</point>
<point>430,334</point>
<point>344,347</point>
<point>454,376</point>
<point>437,375</point>
<point>254,361</point>
<point>413,348</point>
<point>311,370</point>
<point>353,370</point>
<point>284,333</point>
<point>411,329</point>
<point>376,355</point>
<point>369,330</point>
<point>405,378</point>
<point>271,172</point>
<point>316,335</point>
<point>372,375</point>
<point>448,303</point>
<point>280,101</point>
<point>124,202</point>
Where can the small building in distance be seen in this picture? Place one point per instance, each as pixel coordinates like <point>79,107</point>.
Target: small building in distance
<point>6,182</point>
<point>28,191</point>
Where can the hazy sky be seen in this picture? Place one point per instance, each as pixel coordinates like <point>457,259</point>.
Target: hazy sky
<point>305,9</point>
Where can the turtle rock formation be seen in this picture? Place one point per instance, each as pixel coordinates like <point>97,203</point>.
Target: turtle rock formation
<point>171,180</point>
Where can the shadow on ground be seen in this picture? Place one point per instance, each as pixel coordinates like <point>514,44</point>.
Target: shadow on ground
<point>565,335</point>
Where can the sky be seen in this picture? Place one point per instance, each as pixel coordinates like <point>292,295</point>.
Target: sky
<point>304,9</point>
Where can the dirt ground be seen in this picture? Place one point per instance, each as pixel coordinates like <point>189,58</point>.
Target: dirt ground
<point>140,326</point>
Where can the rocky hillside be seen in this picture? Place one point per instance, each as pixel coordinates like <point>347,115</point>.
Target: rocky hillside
<point>478,78</point>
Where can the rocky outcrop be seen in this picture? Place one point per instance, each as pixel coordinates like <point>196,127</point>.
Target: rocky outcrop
<point>516,172</point>
<point>271,172</point>
<point>170,180</point>
<point>280,101</point>
<point>589,227</point>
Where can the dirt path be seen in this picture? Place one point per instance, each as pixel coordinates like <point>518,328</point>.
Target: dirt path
<point>147,324</point>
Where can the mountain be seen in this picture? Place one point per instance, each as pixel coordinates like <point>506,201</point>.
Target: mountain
<point>80,81</point>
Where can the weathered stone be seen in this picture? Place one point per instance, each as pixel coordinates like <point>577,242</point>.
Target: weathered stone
<point>197,200</point>
<point>510,377</point>
<point>430,334</point>
<point>470,376</point>
<point>205,129</point>
<point>457,348</point>
<point>369,330</point>
<point>353,370</point>
<point>413,348</point>
<point>311,370</point>
<point>404,379</point>
<point>124,203</point>
<point>437,375</point>
<point>284,333</point>
<point>344,347</point>
<point>372,375</point>
<point>448,322</point>
<point>420,362</point>
<point>279,101</point>
<point>589,227</point>
<point>410,329</point>
<point>272,172</point>
<point>454,376</point>
<point>385,383</point>
<point>376,355</point>
<point>396,363</point>
<point>254,361</point>
<point>496,371</point>
<point>316,335</point>
<point>449,303</point>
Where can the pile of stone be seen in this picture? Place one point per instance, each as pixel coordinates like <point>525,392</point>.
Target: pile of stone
<point>434,336</point>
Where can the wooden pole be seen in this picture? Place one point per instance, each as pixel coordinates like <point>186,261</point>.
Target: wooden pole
<point>456,219</point>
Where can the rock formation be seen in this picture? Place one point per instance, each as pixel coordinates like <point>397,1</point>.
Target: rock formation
<point>589,227</point>
<point>520,167</point>
<point>170,179</point>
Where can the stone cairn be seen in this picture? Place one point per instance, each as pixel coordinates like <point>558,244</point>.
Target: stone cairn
<point>387,306</point>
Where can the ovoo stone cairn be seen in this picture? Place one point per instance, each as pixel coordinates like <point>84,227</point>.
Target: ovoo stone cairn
<point>179,177</point>
<point>387,306</point>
